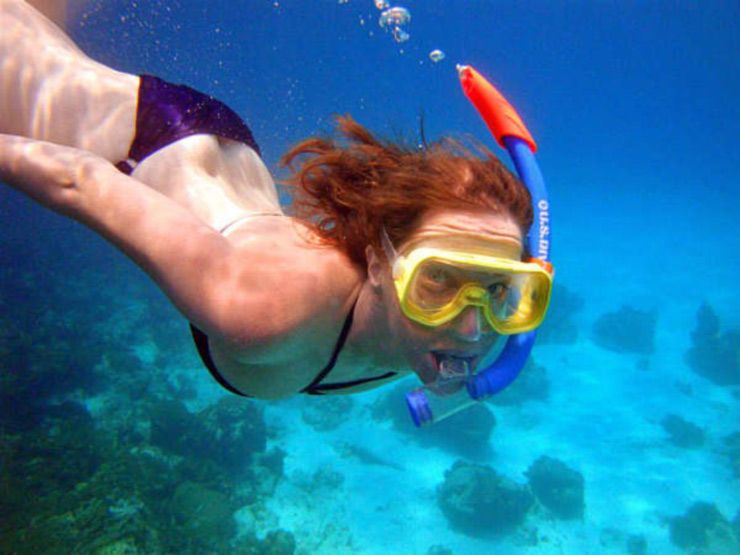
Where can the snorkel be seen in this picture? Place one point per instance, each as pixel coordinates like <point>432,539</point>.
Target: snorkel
<point>425,405</point>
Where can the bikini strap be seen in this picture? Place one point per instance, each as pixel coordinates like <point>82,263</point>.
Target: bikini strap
<point>335,355</point>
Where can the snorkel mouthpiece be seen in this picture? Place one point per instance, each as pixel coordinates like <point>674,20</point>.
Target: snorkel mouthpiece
<point>445,396</point>
<point>426,404</point>
<point>453,368</point>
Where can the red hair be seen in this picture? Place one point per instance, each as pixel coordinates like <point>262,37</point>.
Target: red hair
<point>347,191</point>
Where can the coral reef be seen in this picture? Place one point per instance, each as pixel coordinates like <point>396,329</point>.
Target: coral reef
<point>67,482</point>
<point>683,433</point>
<point>203,511</point>
<point>277,542</point>
<point>479,502</point>
<point>714,355</point>
<point>627,330</point>
<point>327,413</point>
<point>226,433</point>
<point>559,326</point>
<point>703,530</point>
<point>731,450</point>
<point>558,487</point>
<point>27,382</point>
<point>234,429</point>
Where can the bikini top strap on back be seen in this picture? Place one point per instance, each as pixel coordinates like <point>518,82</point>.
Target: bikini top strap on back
<point>311,388</point>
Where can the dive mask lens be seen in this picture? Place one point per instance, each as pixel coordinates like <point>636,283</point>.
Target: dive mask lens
<point>513,295</point>
<point>525,304</point>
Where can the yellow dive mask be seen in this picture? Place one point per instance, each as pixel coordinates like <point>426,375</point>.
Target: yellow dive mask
<point>437,278</point>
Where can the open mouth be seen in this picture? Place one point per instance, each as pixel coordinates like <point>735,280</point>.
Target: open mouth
<point>451,366</point>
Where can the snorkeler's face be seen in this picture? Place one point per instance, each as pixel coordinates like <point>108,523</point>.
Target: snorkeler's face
<point>468,336</point>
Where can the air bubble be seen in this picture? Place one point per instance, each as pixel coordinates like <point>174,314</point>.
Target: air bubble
<point>436,55</point>
<point>399,35</point>
<point>394,17</point>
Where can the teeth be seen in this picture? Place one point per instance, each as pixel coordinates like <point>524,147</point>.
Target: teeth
<point>453,367</point>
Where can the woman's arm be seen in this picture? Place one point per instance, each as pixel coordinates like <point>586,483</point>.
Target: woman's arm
<point>267,294</point>
<point>190,261</point>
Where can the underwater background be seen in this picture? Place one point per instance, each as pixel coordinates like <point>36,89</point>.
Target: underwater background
<point>621,436</point>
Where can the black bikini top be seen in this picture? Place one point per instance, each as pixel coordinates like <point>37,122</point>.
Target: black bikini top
<point>315,387</point>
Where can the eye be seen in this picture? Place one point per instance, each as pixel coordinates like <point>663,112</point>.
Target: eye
<point>438,276</point>
<point>437,279</point>
<point>498,290</point>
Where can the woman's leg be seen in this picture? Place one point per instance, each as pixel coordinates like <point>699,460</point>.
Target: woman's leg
<point>50,90</point>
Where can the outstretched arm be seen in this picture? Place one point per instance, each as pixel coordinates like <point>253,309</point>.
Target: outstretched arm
<point>186,257</point>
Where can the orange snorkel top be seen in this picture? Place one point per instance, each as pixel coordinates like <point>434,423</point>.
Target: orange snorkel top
<point>500,117</point>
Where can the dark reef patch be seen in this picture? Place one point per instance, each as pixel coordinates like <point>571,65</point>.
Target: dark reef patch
<point>479,502</point>
<point>714,355</point>
<point>276,542</point>
<point>627,330</point>
<point>71,485</point>
<point>203,511</point>
<point>731,450</point>
<point>558,487</point>
<point>324,414</point>
<point>227,433</point>
<point>683,433</point>
<point>703,529</point>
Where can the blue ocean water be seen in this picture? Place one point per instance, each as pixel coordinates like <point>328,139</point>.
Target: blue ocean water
<point>634,107</point>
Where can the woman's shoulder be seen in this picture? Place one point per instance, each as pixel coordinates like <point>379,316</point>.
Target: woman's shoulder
<point>301,294</point>
<point>292,285</point>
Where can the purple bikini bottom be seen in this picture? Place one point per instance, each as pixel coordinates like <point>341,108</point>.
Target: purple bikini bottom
<point>167,113</point>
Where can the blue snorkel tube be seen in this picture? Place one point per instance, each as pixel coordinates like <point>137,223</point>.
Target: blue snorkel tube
<point>509,130</point>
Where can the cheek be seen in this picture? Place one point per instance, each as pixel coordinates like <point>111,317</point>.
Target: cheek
<point>416,341</point>
<point>411,340</point>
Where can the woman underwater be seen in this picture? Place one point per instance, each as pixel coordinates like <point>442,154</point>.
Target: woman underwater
<point>369,278</point>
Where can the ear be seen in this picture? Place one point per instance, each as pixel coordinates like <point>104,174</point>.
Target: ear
<point>375,267</point>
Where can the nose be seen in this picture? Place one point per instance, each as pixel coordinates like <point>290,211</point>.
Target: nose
<point>469,324</point>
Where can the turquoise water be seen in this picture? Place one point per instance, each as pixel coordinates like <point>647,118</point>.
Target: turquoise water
<point>115,439</point>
